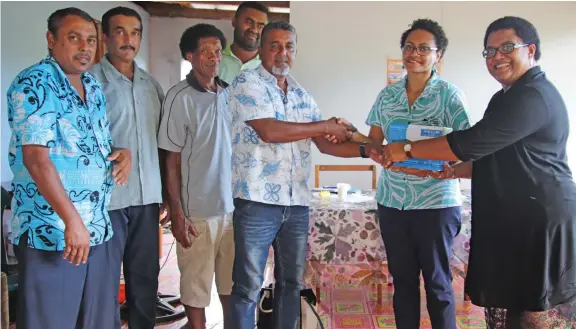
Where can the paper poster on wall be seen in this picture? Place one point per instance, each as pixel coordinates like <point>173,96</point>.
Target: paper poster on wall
<point>395,71</point>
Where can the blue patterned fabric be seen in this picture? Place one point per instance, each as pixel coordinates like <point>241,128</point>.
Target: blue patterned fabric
<point>44,109</point>
<point>272,173</point>
<point>440,104</point>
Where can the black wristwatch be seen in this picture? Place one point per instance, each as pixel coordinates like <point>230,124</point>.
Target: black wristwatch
<point>363,150</point>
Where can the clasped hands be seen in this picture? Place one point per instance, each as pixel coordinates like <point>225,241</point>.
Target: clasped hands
<point>387,155</point>
<point>394,152</point>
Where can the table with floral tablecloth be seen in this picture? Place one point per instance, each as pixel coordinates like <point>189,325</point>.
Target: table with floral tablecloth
<point>461,248</point>
<point>344,232</point>
<point>345,246</point>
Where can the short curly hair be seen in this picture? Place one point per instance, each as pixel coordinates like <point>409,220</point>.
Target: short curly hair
<point>432,27</point>
<point>193,34</point>
<point>523,29</point>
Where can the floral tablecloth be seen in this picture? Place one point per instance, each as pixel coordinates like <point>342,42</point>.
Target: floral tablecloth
<point>344,233</point>
<point>344,241</point>
<point>461,248</point>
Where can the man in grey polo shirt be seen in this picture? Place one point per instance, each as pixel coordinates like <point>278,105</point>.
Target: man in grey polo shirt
<point>195,133</point>
<point>134,101</point>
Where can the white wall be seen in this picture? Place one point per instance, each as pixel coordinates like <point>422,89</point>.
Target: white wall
<point>342,55</point>
<point>23,29</point>
<point>165,56</point>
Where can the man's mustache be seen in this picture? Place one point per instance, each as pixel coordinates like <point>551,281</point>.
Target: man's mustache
<point>248,33</point>
<point>283,59</point>
<point>128,47</point>
<point>85,55</point>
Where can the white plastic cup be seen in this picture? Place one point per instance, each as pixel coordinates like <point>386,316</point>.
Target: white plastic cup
<point>343,189</point>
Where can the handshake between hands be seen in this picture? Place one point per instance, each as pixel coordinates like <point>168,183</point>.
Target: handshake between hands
<point>339,130</point>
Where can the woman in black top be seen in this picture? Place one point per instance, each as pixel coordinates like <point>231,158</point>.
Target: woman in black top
<point>523,245</point>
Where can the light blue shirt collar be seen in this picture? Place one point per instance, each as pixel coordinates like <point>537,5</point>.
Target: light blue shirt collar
<point>111,73</point>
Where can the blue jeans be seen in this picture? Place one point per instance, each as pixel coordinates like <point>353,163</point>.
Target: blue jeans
<point>257,226</point>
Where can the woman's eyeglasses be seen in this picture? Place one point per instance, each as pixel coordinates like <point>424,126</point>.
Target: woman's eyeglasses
<point>504,49</point>
<point>421,50</point>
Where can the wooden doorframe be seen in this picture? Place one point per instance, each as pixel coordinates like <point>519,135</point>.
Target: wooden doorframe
<point>101,49</point>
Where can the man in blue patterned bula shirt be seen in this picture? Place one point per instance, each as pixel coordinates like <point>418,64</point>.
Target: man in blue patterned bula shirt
<point>274,121</point>
<point>64,170</point>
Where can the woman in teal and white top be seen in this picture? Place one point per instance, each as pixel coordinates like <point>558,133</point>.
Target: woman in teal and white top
<point>419,215</point>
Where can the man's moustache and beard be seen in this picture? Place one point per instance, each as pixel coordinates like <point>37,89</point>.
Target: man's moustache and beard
<point>281,67</point>
<point>243,39</point>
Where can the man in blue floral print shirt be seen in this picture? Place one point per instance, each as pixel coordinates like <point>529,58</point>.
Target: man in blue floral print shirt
<point>64,170</point>
<point>274,122</point>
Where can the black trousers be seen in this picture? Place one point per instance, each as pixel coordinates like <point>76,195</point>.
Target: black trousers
<point>421,241</point>
<point>136,247</point>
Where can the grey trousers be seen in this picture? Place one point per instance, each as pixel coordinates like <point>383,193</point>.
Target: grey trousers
<point>54,294</point>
